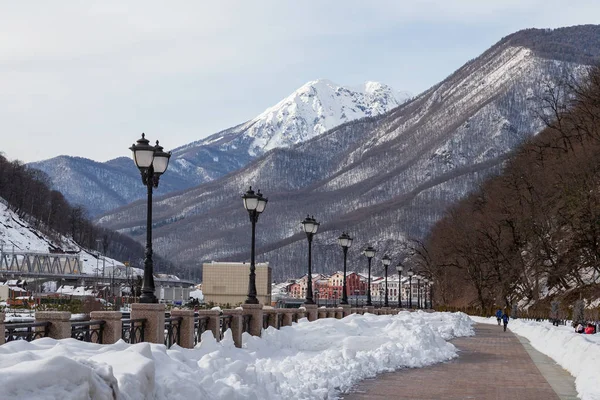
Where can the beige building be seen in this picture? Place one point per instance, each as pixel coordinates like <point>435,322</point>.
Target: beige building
<point>227,282</point>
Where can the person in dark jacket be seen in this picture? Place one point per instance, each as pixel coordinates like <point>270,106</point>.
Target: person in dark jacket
<point>499,316</point>
<point>505,320</point>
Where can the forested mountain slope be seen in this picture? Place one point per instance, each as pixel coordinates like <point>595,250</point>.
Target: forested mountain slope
<point>36,218</point>
<point>532,233</point>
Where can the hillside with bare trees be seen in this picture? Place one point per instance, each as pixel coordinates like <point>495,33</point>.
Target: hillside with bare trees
<point>27,192</point>
<point>532,234</point>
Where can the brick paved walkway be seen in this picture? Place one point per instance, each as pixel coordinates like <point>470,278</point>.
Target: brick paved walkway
<point>493,365</point>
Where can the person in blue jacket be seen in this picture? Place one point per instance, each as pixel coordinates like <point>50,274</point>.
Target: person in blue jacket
<point>505,320</point>
<point>499,316</point>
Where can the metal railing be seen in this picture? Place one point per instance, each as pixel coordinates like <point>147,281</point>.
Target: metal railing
<point>25,331</point>
<point>88,331</point>
<point>200,326</point>
<point>132,330</point>
<point>246,323</point>
<point>225,324</point>
<point>172,331</point>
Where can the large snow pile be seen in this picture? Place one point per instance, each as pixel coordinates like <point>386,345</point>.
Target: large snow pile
<point>577,353</point>
<point>309,360</point>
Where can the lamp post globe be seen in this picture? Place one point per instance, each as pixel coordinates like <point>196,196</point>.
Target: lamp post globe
<point>255,204</point>
<point>152,161</point>
<point>399,269</point>
<point>345,241</point>
<point>310,227</point>
<point>369,252</point>
<point>410,274</point>
<point>386,260</point>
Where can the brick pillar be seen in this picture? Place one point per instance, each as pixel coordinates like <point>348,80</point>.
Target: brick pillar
<point>112,331</point>
<point>154,332</point>
<point>213,322</point>
<point>60,326</point>
<point>236,325</point>
<point>256,320</point>
<point>2,338</point>
<point>186,329</point>
<point>311,311</point>
<point>346,310</point>
<point>369,309</point>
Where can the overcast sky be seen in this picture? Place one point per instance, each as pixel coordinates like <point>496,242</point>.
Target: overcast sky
<point>85,78</point>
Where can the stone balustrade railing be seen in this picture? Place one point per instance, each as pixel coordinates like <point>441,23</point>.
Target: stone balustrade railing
<point>183,327</point>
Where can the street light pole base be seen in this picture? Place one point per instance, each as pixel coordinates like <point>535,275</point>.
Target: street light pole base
<point>148,298</point>
<point>251,300</point>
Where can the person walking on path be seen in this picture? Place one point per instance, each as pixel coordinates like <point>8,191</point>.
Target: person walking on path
<point>499,316</point>
<point>505,320</point>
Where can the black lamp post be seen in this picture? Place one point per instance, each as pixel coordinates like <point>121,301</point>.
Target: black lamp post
<point>427,290</point>
<point>399,269</point>
<point>424,293</point>
<point>410,275</point>
<point>310,226</point>
<point>345,241</point>
<point>418,292</point>
<point>386,260</point>
<point>370,253</point>
<point>255,203</point>
<point>431,293</point>
<point>152,162</point>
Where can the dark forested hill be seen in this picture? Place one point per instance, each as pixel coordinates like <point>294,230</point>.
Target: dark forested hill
<point>383,179</point>
<point>27,192</point>
<point>534,231</point>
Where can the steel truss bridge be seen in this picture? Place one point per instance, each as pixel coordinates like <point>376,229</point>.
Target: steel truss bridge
<point>51,266</point>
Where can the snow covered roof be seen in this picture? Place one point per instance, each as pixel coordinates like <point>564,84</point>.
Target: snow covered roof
<point>197,294</point>
<point>75,291</point>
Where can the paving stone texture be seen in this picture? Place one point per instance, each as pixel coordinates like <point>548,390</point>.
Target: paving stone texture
<point>492,365</point>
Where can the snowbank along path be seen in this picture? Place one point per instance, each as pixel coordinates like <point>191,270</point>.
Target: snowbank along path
<point>316,360</point>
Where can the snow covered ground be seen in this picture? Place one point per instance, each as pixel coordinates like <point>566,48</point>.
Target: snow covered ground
<point>308,360</point>
<point>576,353</point>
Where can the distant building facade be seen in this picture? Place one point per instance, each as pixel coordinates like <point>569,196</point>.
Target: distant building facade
<point>227,282</point>
<point>331,288</point>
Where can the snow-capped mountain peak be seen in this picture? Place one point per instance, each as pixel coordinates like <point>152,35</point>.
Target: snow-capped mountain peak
<point>312,109</point>
<point>315,108</point>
